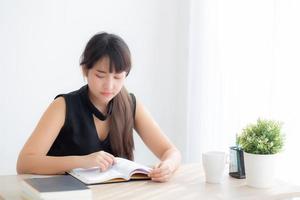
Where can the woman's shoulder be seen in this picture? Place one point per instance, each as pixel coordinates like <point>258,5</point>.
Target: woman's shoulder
<point>64,100</point>
<point>71,99</point>
<point>55,113</point>
<point>72,94</point>
<point>58,103</point>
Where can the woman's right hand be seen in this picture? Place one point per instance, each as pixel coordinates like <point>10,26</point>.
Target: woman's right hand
<point>100,159</point>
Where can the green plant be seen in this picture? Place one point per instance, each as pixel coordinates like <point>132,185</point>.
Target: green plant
<point>263,137</point>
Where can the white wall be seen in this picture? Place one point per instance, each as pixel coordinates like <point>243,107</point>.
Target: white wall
<point>41,42</point>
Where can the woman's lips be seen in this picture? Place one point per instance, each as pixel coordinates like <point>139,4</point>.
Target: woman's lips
<point>107,94</point>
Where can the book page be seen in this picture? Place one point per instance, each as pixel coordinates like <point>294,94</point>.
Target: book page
<point>127,168</point>
<point>122,169</point>
<point>94,175</point>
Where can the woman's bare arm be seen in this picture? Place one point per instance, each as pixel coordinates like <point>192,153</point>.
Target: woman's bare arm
<point>158,143</point>
<point>33,157</point>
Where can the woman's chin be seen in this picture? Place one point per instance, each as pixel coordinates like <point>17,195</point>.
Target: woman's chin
<point>107,98</point>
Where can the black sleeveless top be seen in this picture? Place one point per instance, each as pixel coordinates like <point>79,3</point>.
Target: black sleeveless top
<point>78,136</point>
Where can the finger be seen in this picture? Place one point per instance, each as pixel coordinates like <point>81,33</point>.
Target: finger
<point>160,168</point>
<point>162,171</point>
<point>113,159</point>
<point>108,159</point>
<point>102,167</point>
<point>104,162</point>
<point>161,174</point>
<point>157,165</point>
<point>161,179</point>
<point>102,155</point>
<point>155,171</point>
<point>110,155</point>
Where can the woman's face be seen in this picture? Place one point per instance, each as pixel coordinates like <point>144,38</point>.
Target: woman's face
<point>103,85</point>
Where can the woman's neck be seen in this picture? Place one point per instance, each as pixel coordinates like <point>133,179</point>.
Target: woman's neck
<point>101,106</point>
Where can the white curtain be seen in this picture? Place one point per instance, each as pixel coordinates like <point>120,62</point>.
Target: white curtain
<point>244,61</point>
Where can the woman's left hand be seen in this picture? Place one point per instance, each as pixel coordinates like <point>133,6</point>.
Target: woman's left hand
<point>161,172</point>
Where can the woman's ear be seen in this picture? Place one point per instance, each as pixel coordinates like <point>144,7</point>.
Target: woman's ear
<point>84,70</point>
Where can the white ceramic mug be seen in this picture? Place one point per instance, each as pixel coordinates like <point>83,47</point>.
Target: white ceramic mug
<point>214,165</point>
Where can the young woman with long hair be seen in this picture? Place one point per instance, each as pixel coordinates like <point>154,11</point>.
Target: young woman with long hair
<point>91,126</point>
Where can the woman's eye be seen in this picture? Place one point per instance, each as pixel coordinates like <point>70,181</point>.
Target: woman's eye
<point>117,77</point>
<point>99,76</point>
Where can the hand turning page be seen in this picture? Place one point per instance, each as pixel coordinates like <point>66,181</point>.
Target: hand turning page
<point>122,170</point>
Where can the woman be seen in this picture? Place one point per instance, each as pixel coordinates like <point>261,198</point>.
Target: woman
<point>90,126</point>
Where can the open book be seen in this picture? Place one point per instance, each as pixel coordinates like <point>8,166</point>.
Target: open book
<point>122,170</point>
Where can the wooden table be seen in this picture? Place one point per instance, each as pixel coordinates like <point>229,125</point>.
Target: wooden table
<point>187,183</point>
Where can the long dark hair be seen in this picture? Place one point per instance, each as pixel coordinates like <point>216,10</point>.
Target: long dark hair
<point>121,124</point>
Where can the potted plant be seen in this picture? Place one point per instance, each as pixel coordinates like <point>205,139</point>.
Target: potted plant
<point>261,143</point>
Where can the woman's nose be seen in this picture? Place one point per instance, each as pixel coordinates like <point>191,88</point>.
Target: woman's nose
<point>109,83</point>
